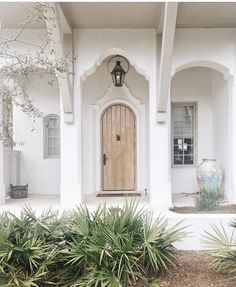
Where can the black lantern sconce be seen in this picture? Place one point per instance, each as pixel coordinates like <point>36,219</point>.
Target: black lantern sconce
<point>118,72</point>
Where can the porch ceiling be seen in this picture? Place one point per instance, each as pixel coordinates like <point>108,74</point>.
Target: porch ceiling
<point>206,15</point>
<point>113,15</point>
<point>127,14</point>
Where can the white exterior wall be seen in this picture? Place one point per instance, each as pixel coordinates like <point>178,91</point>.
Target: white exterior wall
<point>42,174</point>
<point>207,46</point>
<point>221,128</point>
<point>194,86</point>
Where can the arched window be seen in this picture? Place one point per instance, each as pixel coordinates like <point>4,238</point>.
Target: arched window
<point>52,136</point>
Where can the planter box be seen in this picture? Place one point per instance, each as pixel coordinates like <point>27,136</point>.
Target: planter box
<point>18,191</point>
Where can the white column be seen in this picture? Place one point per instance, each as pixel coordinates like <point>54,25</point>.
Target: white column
<point>71,193</point>
<point>2,179</point>
<point>160,186</point>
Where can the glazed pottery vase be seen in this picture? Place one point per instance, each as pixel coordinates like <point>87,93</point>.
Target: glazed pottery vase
<point>210,175</point>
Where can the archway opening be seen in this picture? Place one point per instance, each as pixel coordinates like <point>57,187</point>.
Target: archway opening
<point>200,117</point>
<point>98,93</point>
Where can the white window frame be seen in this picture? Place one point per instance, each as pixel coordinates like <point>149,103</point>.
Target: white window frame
<point>45,136</point>
<point>184,104</point>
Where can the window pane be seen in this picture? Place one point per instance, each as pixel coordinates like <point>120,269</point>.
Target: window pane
<point>188,131</point>
<point>52,140</point>
<point>50,132</point>
<point>56,131</point>
<point>188,140</point>
<point>56,142</point>
<point>188,111</point>
<point>183,134</point>
<point>178,150</point>
<point>57,150</point>
<point>178,141</point>
<point>188,149</point>
<point>178,159</point>
<point>188,159</point>
<point>178,113</point>
<point>50,151</point>
<point>178,130</point>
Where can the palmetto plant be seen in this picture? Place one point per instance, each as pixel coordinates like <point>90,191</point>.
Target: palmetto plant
<point>117,246</point>
<point>222,248</point>
<point>113,247</point>
<point>28,246</point>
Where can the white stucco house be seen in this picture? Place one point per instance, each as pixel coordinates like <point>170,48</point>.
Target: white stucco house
<point>176,107</point>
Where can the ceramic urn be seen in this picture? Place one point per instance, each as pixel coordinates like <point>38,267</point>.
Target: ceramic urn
<point>210,175</point>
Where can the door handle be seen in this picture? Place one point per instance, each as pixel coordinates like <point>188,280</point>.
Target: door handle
<point>104,159</point>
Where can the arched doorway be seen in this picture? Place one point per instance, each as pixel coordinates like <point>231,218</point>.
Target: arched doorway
<point>118,141</point>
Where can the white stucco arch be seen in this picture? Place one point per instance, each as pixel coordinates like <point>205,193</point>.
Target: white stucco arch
<point>229,77</point>
<point>108,53</point>
<point>206,64</point>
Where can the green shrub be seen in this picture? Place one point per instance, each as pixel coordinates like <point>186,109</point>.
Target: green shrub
<point>222,248</point>
<point>108,247</point>
<point>207,200</point>
<point>117,247</point>
<point>28,247</point>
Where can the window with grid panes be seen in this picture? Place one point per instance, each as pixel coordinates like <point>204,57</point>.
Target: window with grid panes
<point>52,136</point>
<point>183,134</point>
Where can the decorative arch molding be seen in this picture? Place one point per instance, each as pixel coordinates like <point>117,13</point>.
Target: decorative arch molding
<point>105,98</point>
<point>228,75</point>
<point>96,111</point>
<point>110,52</point>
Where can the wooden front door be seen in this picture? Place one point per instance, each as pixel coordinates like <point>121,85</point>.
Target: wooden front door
<point>118,148</point>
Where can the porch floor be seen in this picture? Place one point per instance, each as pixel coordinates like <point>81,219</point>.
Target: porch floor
<point>42,202</point>
<point>183,199</point>
<point>37,202</point>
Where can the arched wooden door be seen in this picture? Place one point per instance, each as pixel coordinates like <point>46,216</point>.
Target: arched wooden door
<point>118,148</point>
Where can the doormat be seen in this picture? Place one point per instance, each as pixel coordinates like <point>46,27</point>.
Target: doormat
<point>125,194</point>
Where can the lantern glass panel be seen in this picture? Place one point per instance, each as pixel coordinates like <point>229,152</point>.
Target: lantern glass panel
<point>118,75</point>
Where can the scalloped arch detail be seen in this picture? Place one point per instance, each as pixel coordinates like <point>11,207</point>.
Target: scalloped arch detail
<point>207,64</point>
<point>111,52</point>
